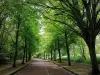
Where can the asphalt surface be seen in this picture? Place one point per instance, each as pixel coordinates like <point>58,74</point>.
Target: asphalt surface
<point>43,67</point>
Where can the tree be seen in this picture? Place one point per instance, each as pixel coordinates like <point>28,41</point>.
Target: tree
<point>16,43</point>
<point>59,49</point>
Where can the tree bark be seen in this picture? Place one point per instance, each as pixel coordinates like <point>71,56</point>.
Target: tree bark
<point>26,56</point>
<point>51,54</point>
<point>29,58</point>
<point>67,50</point>
<point>83,53</point>
<point>16,44</point>
<point>44,54</point>
<point>91,45</point>
<point>24,52</point>
<point>74,52</point>
<point>55,51</point>
<point>68,55</point>
<point>59,51</point>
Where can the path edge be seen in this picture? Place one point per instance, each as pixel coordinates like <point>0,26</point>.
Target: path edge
<point>65,68</point>
<point>12,73</point>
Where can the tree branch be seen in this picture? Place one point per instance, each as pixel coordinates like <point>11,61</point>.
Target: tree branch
<point>64,23</point>
<point>98,12</point>
<point>97,2</point>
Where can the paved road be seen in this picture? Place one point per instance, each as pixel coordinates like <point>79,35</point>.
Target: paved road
<point>42,67</point>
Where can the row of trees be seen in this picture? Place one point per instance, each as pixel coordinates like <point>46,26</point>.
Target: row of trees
<point>18,31</point>
<point>81,16</point>
<point>60,43</point>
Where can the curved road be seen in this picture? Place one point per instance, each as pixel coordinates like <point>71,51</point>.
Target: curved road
<point>43,67</point>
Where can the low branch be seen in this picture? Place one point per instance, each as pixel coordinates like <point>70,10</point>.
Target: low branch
<point>97,2</point>
<point>64,23</point>
<point>98,12</point>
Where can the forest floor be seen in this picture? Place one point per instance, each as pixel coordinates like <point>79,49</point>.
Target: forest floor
<point>77,68</point>
<point>7,69</point>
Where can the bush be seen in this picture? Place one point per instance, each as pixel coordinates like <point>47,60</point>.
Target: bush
<point>87,61</point>
<point>2,59</point>
<point>78,60</point>
<point>98,60</point>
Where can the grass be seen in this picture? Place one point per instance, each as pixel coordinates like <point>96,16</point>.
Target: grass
<point>77,68</point>
<point>78,59</point>
<point>10,69</point>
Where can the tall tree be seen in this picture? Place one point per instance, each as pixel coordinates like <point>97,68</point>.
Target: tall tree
<point>17,37</point>
<point>59,49</point>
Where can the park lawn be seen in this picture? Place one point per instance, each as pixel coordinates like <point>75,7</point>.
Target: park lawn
<point>78,68</point>
<point>9,69</point>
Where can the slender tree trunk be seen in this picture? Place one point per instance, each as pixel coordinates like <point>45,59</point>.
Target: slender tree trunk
<point>68,55</point>
<point>51,54</point>
<point>23,56</point>
<point>59,51</point>
<point>83,53</point>
<point>55,51</point>
<point>44,54</point>
<point>24,52</point>
<point>74,51</point>
<point>23,62</point>
<point>16,44</point>
<point>82,48</point>
<point>91,45</point>
<point>48,56</point>
<point>67,50</point>
<point>29,58</point>
<point>26,55</point>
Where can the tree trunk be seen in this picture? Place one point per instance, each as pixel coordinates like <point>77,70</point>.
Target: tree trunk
<point>74,52</point>
<point>51,54</point>
<point>83,53</point>
<point>59,51</point>
<point>44,54</point>
<point>16,44</point>
<point>29,58</point>
<point>82,48</point>
<point>55,51</point>
<point>91,45</point>
<point>67,50</point>
<point>24,52</point>
<point>68,55</point>
<point>48,55</point>
<point>26,55</point>
<point>23,62</point>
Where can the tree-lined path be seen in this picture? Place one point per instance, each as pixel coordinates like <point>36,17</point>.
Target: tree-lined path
<point>56,30</point>
<point>42,67</point>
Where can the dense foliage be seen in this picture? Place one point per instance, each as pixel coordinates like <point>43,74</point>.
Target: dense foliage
<point>18,30</point>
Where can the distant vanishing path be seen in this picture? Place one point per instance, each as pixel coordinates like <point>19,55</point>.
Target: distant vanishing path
<point>42,67</point>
